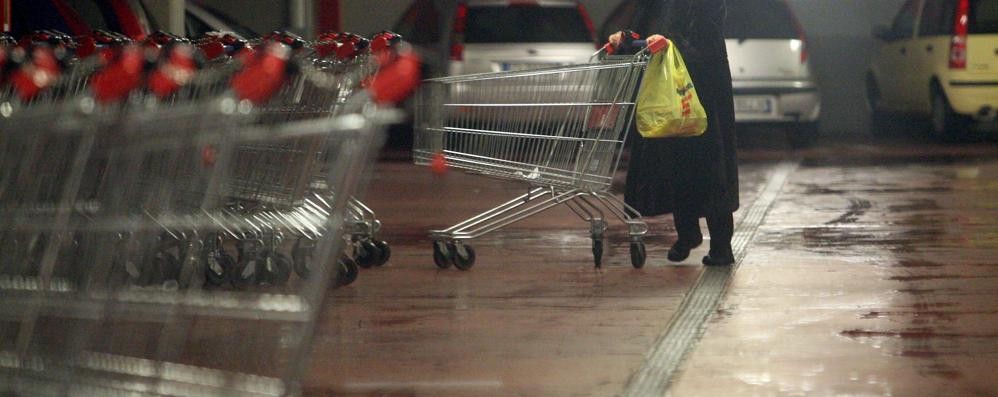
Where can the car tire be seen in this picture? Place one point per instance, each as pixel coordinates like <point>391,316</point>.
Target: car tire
<point>803,135</point>
<point>945,124</point>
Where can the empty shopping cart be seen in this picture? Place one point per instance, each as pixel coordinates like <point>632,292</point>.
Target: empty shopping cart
<point>560,130</point>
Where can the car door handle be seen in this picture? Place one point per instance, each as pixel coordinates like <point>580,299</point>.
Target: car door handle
<point>929,48</point>
<point>904,50</point>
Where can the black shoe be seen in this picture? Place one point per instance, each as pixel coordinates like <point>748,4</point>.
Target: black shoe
<point>719,259</point>
<point>681,250</point>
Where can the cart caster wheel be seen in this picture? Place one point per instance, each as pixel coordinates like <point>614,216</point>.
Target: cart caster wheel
<point>218,267</point>
<point>347,271</point>
<point>367,255</point>
<point>462,261</point>
<point>638,254</point>
<point>441,255</point>
<point>301,255</point>
<point>276,267</point>
<point>598,252</point>
<point>385,252</point>
<point>245,272</point>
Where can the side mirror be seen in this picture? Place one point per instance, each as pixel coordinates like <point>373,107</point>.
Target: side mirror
<point>883,33</point>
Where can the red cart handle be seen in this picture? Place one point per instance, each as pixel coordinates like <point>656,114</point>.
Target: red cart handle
<point>397,80</point>
<point>263,74</point>
<point>344,46</point>
<point>120,77</point>
<point>385,40</point>
<point>176,70</point>
<point>38,71</point>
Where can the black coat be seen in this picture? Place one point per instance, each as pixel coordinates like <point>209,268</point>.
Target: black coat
<point>697,175</point>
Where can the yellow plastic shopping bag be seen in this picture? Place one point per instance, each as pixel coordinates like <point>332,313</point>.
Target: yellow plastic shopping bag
<point>668,104</point>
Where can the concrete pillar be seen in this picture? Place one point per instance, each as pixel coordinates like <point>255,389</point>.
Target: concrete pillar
<point>169,13</point>
<point>301,17</point>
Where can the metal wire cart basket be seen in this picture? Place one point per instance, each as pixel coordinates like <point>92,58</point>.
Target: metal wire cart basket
<point>123,192</point>
<point>560,130</point>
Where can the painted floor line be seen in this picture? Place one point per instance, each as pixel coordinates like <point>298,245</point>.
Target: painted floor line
<point>687,325</point>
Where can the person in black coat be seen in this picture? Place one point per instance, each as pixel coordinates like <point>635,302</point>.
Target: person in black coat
<point>696,177</point>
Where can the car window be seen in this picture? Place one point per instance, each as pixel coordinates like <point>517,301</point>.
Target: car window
<point>983,16</point>
<point>759,19</point>
<point>420,24</point>
<point>937,18</point>
<point>904,23</point>
<point>533,24</point>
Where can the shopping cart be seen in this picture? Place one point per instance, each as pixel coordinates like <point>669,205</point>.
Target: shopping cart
<point>104,198</point>
<point>331,70</point>
<point>561,130</point>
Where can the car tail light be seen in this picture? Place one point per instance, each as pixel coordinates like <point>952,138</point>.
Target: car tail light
<point>457,41</point>
<point>958,44</point>
<point>804,54</point>
<point>589,23</point>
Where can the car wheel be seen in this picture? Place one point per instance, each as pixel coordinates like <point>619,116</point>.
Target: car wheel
<point>802,135</point>
<point>947,125</point>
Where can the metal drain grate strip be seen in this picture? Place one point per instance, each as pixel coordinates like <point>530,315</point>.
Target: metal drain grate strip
<point>687,325</point>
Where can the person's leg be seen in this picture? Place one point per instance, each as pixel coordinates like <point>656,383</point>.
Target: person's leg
<point>722,229</point>
<point>690,237</point>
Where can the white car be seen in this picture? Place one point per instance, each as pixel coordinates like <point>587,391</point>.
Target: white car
<point>770,65</point>
<point>480,36</point>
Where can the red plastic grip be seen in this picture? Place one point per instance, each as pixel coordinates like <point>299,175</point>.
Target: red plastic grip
<point>175,72</point>
<point>120,77</point>
<point>397,80</point>
<point>263,74</point>
<point>39,73</point>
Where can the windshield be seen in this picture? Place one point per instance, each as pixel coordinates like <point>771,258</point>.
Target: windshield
<point>983,16</point>
<point>526,24</point>
<point>759,19</point>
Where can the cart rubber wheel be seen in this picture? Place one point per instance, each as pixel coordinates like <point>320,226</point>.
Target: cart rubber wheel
<point>385,252</point>
<point>638,254</point>
<point>598,252</point>
<point>441,255</point>
<point>300,257</point>
<point>347,271</point>
<point>217,267</point>
<point>462,262</point>
<point>245,272</point>
<point>367,255</point>
<point>277,267</point>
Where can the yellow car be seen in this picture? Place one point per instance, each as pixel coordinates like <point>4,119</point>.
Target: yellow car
<point>939,58</point>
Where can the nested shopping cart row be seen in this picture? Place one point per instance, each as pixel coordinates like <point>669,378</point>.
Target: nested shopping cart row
<point>133,178</point>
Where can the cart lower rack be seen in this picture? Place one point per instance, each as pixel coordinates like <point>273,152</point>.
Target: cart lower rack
<point>560,130</point>
<point>81,323</point>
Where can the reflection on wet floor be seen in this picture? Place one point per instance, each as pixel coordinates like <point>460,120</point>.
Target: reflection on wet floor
<point>875,273</point>
<point>865,280</point>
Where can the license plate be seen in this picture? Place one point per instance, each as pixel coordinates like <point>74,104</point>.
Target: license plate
<point>755,105</point>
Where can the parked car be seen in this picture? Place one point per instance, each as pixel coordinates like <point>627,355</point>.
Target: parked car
<point>129,17</point>
<point>770,64</point>
<point>939,59</point>
<point>475,36</point>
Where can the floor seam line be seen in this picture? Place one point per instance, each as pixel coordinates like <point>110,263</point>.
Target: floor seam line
<point>687,325</point>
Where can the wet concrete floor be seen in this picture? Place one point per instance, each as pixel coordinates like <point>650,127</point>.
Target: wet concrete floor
<point>874,273</point>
